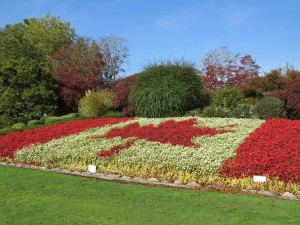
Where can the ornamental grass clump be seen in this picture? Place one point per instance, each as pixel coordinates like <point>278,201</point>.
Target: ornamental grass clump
<point>166,89</point>
<point>96,104</point>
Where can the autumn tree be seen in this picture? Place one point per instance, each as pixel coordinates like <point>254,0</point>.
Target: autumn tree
<point>290,94</point>
<point>272,81</point>
<point>222,68</point>
<point>77,67</point>
<point>114,55</point>
<point>122,92</point>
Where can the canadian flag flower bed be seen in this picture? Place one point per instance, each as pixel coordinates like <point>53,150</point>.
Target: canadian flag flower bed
<point>186,149</point>
<point>159,146</point>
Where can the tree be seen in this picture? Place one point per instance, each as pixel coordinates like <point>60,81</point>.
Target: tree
<point>221,68</point>
<point>290,94</point>
<point>276,79</point>
<point>122,92</point>
<point>77,67</point>
<point>114,54</point>
<point>27,86</point>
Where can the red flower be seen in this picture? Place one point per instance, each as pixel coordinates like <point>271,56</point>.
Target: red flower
<point>12,142</point>
<point>272,150</point>
<point>175,133</point>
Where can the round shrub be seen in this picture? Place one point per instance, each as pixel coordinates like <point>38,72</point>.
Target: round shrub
<point>228,98</point>
<point>95,104</point>
<point>18,125</point>
<point>270,107</point>
<point>121,95</point>
<point>166,89</point>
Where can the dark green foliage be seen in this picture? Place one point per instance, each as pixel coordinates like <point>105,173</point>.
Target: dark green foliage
<point>166,89</point>
<point>228,98</point>
<point>43,119</point>
<point>26,84</point>
<point>194,112</point>
<point>28,90</point>
<point>270,107</point>
<point>212,111</point>
<point>242,111</point>
<point>96,104</point>
<point>5,121</point>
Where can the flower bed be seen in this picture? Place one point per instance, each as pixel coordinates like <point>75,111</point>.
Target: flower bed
<point>273,150</point>
<point>219,151</point>
<point>160,146</point>
<point>11,142</point>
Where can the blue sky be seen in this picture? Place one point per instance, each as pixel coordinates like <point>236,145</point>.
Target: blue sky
<point>268,30</point>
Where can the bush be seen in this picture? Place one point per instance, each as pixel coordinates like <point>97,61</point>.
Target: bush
<point>122,92</point>
<point>212,111</point>
<point>228,98</point>
<point>5,121</point>
<point>168,88</point>
<point>194,112</point>
<point>270,107</point>
<point>52,119</point>
<point>95,104</point>
<point>43,119</point>
<point>113,114</point>
<point>242,111</point>
<point>70,116</point>
<point>290,94</point>
<point>33,122</point>
<point>18,126</point>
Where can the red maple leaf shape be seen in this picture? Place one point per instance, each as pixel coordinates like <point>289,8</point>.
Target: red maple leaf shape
<point>174,133</point>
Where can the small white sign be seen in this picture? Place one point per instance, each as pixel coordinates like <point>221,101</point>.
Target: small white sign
<point>92,168</point>
<point>257,178</point>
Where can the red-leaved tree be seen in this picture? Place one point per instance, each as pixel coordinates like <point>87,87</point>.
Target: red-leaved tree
<point>221,68</point>
<point>122,92</point>
<point>290,94</point>
<point>77,68</point>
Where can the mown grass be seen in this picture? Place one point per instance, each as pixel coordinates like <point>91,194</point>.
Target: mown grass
<point>39,197</point>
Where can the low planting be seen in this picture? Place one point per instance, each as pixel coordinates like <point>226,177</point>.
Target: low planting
<point>183,148</point>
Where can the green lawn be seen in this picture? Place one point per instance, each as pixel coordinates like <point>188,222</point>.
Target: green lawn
<point>38,197</point>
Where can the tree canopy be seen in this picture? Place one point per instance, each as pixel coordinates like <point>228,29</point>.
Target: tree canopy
<point>27,86</point>
<point>222,68</point>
